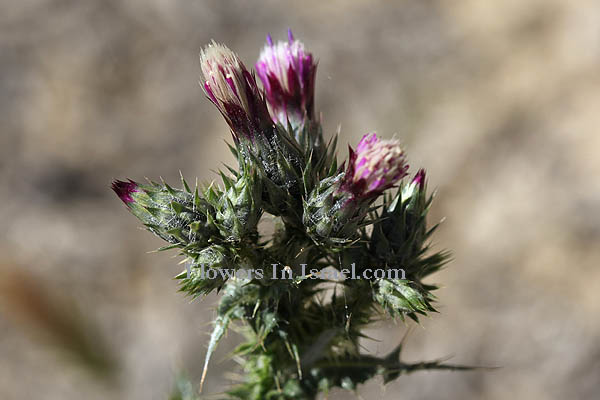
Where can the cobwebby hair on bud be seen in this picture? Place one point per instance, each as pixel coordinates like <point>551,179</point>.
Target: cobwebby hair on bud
<point>232,88</point>
<point>375,166</point>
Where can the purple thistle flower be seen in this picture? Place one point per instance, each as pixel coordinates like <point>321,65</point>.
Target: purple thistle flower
<point>287,72</point>
<point>233,89</point>
<point>375,166</point>
<point>124,190</point>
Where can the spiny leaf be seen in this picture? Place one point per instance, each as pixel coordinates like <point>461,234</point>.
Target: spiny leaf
<point>221,324</point>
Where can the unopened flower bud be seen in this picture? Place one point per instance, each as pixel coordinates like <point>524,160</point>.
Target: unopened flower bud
<point>177,216</point>
<point>400,235</point>
<point>233,89</point>
<point>207,270</point>
<point>239,207</point>
<point>415,190</point>
<point>399,297</point>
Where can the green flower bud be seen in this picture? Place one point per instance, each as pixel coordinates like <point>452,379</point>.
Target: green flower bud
<point>177,216</point>
<point>399,297</point>
<point>331,215</point>
<point>239,207</point>
<point>207,270</point>
<point>400,236</point>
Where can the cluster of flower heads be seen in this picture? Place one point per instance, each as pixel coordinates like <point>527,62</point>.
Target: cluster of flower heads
<point>276,135</point>
<point>287,72</point>
<point>286,169</point>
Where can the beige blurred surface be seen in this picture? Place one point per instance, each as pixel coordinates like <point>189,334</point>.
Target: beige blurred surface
<point>498,100</point>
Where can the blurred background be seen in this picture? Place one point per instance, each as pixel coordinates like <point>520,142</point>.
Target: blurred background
<point>498,100</point>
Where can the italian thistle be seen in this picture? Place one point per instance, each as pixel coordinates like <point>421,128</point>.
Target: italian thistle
<point>301,339</point>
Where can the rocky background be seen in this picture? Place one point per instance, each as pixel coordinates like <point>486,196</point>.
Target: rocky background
<point>498,100</point>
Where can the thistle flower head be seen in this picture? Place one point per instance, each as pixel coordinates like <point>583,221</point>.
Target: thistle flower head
<point>233,89</point>
<point>375,166</point>
<point>125,190</point>
<point>287,72</point>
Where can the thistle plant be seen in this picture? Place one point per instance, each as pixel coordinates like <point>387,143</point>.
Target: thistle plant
<point>364,221</point>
